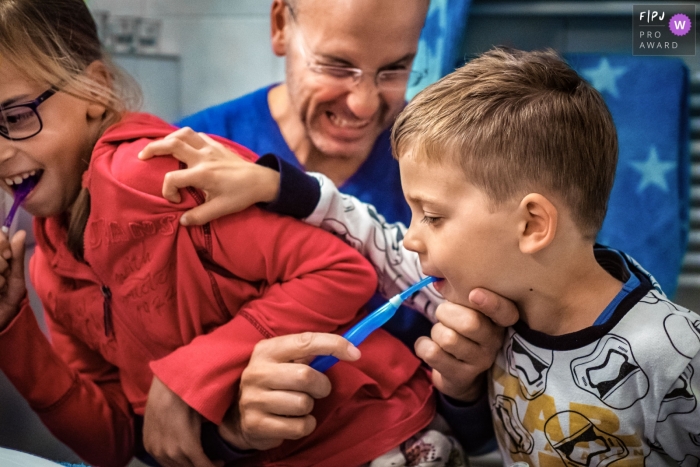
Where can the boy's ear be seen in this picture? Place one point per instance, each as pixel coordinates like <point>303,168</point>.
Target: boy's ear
<point>98,72</point>
<point>538,223</point>
<point>278,27</point>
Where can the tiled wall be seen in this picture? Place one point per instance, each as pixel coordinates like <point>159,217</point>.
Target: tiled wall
<point>223,45</point>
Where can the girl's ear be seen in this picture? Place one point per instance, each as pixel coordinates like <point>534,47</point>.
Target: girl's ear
<point>278,27</point>
<point>538,223</point>
<point>98,72</point>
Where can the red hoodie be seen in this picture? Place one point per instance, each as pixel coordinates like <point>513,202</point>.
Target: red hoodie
<point>189,304</point>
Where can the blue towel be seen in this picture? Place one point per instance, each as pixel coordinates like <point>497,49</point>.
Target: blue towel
<point>649,205</point>
<point>440,42</point>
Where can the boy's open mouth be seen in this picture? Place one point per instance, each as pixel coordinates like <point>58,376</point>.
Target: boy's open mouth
<point>24,183</point>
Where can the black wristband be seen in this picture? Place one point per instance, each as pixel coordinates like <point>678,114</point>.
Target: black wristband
<point>299,193</point>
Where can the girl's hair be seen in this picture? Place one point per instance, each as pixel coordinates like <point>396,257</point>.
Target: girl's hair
<point>52,42</point>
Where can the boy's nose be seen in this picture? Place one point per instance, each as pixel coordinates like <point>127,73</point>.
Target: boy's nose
<point>411,239</point>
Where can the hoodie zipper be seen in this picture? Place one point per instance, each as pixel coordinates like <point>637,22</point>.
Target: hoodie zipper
<point>107,310</point>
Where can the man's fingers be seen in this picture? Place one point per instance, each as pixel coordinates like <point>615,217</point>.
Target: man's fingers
<point>286,403</point>
<point>292,377</point>
<point>272,426</point>
<point>298,346</point>
<point>501,310</point>
<point>207,212</point>
<point>195,455</point>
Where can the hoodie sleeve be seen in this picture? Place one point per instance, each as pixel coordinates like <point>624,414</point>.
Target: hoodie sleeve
<point>68,381</point>
<point>313,282</point>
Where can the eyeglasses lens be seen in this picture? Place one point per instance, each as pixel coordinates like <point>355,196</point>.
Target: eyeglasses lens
<point>19,122</point>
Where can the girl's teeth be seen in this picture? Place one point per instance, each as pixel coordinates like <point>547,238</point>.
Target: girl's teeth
<point>32,173</point>
<point>25,176</point>
<point>9,181</point>
<point>17,179</point>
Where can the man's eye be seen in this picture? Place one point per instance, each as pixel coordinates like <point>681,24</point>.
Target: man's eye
<point>429,220</point>
<point>337,72</point>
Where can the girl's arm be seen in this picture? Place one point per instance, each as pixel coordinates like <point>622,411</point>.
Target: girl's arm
<point>74,391</point>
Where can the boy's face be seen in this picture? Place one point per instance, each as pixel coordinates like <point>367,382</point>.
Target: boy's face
<point>453,231</point>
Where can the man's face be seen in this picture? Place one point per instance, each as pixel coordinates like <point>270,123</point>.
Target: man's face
<point>342,118</point>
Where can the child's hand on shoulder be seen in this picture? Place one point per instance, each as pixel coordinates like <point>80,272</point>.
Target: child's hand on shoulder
<point>12,286</point>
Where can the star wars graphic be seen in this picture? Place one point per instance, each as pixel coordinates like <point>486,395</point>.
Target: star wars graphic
<point>519,440</point>
<point>684,333</point>
<point>529,365</point>
<point>611,373</point>
<point>580,443</point>
<point>680,398</point>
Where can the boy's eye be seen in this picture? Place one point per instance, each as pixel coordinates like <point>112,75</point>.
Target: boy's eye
<point>429,220</point>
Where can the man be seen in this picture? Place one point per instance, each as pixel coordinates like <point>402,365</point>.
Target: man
<point>347,67</point>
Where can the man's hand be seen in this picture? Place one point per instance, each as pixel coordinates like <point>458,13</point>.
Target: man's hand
<point>230,183</point>
<point>12,286</point>
<point>278,390</point>
<point>464,342</point>
<point>172,429</point>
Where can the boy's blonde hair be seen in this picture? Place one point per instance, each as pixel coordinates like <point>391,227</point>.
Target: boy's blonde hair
<point>518,122</point>
<point>52,42</point>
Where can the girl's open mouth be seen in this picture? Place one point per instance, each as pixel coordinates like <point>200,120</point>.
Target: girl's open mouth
<point>25,183</point>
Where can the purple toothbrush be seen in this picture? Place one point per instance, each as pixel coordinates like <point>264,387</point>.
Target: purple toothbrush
<point>20,193</point>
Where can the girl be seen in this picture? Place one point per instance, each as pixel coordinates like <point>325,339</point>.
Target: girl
<point>136,302</point>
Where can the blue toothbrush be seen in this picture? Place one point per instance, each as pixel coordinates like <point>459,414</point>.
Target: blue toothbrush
<point>371,323</point>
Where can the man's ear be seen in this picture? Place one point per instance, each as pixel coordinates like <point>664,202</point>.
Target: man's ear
<point>278,27</point>
<point>538,223</point>
<point>98,72</point>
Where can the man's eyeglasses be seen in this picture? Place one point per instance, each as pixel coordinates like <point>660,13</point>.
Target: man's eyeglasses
<point>22,121</point>
<point>392,80</point>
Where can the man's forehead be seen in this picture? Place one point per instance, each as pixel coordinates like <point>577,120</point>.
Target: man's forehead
<point>407,14</point>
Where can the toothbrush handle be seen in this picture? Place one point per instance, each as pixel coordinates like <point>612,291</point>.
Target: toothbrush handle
<point>323,363</point>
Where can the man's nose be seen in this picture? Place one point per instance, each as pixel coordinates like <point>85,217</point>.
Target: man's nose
<point>363,100</point>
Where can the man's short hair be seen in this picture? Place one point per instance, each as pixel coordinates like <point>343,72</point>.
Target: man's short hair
<point>518,122</point>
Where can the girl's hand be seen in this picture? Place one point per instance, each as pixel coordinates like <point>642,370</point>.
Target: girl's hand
<point>464,342</point>
<point>230,183</point>
<point>12,287</point>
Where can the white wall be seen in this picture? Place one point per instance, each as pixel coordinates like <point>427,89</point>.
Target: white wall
<point>224,45</point>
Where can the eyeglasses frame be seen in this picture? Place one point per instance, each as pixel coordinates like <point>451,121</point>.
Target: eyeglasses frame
<point>356,73</point>
<point>33,105</point>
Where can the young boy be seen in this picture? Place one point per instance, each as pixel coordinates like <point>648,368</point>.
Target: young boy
<point>507,165</point>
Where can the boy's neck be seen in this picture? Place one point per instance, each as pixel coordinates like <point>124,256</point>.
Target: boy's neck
<point>568,293</point>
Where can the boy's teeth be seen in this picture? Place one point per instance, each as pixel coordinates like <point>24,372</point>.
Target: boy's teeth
<point>17,179</point>
<point>9,181</point>
<point>25,176</point>
<point>32,173</point>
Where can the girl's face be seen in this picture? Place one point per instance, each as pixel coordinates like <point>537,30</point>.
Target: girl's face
<point>58,155</point>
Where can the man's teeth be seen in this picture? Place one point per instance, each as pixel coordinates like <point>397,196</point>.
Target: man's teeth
<point>17,179</point>
<point>342,123</point>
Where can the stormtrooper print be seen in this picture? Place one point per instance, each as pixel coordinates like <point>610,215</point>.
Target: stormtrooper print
<point>582,443</point>
<point>611,373</point>
<point>530,365</point>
